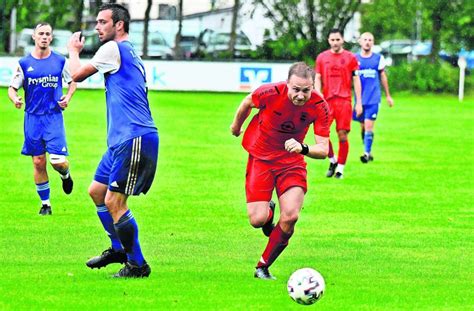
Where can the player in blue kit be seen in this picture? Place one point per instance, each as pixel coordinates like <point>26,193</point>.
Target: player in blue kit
<point>371,72</point>
<point>129,164</point>
<point>40,74</point>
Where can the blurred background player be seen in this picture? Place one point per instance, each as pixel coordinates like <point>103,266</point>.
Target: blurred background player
<point>336,70</point>
<point>129,164</point>
<point>274,140</point>
<point>41,74</point>
<point>372,73</point>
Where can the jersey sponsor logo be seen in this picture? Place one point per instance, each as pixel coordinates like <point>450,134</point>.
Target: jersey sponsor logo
<point>287,127</point>
<point>45,81</point>
<point>30,69</point>
<point>368,73</point>
<point>251,77</point>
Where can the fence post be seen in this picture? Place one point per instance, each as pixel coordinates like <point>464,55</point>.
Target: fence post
<point>462,71</point>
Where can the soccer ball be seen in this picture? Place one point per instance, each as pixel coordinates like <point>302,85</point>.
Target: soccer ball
<point>306,286</point>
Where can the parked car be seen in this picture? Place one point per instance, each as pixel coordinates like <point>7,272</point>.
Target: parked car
<point>189,46</point>
<point>26,45</point>
<point>157,46</point>
<point>216,43</point>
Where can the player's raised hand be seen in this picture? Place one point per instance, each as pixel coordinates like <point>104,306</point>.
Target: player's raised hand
<point>18,102</point>
<point>293,146</point>
<point>76,42</point>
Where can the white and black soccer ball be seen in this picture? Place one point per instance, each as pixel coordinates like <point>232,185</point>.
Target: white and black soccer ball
<point>306,286</point>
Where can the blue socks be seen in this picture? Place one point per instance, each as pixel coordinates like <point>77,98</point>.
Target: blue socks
<point>127,230</point>
<point>368,139</point>
<point>108,224</point>
<point>43,192</point>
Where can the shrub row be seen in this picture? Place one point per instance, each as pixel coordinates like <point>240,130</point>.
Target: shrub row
<point>423,76</point>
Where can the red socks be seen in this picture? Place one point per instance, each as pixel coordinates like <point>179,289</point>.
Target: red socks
<point>270,215</point>
<point>343,152</point>
<point>276,244</point>
<point>331,151</point>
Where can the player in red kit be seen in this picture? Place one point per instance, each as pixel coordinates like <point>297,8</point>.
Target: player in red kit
<point>274,140</point>
<point>336,70</point>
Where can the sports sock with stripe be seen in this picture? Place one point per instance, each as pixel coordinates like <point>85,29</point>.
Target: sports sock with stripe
<point>368,140</point>
<point>43,192</point>
<point>108,224</point>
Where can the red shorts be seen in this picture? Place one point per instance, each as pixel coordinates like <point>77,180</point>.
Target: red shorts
<point>263,176</point>
<point>341,112</point>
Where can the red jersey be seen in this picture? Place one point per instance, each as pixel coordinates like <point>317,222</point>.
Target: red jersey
<point>279,119</point>
<point>336,70</point>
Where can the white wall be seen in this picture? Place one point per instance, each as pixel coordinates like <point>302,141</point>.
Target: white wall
<point>187,76</point>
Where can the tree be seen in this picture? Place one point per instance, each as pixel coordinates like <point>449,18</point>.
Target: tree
<point>177,41</point>
<point>301,27</point>
<point>29,13</point>
<point>145,29</point>
<point>233,28</point>
<point>447,24</point>
<point>77,13</point>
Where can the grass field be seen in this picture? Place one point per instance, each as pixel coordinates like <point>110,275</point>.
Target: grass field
<point>396,234</point>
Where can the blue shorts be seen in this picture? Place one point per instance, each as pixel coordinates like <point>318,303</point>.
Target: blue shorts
<point>369,112</point>
<point>44,133</point>
<point>129,167</point>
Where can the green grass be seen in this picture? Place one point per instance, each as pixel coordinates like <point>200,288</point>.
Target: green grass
<point>396,234</point>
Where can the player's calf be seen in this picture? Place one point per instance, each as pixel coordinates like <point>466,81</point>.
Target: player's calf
<point>267,228</point>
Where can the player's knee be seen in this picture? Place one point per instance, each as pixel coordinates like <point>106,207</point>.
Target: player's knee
<point>289,219</point>
<point>342,135</point>
<point>95,193</point>
<point>256,221</point>
<point>39,163</point>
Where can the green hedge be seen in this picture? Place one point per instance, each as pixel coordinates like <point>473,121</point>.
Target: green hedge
<point>422,76</point>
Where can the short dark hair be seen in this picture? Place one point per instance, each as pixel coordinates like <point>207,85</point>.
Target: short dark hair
<point>336,30</point>
<point>300,69</point>
<point>42,24</point>
<point>119,13</point>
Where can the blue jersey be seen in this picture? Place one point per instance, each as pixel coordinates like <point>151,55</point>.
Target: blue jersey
<point>128,111</point>
<point>369,72</point>
<point>42,83</point>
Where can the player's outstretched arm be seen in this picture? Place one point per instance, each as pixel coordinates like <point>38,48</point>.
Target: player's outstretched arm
<point>243,111</point>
